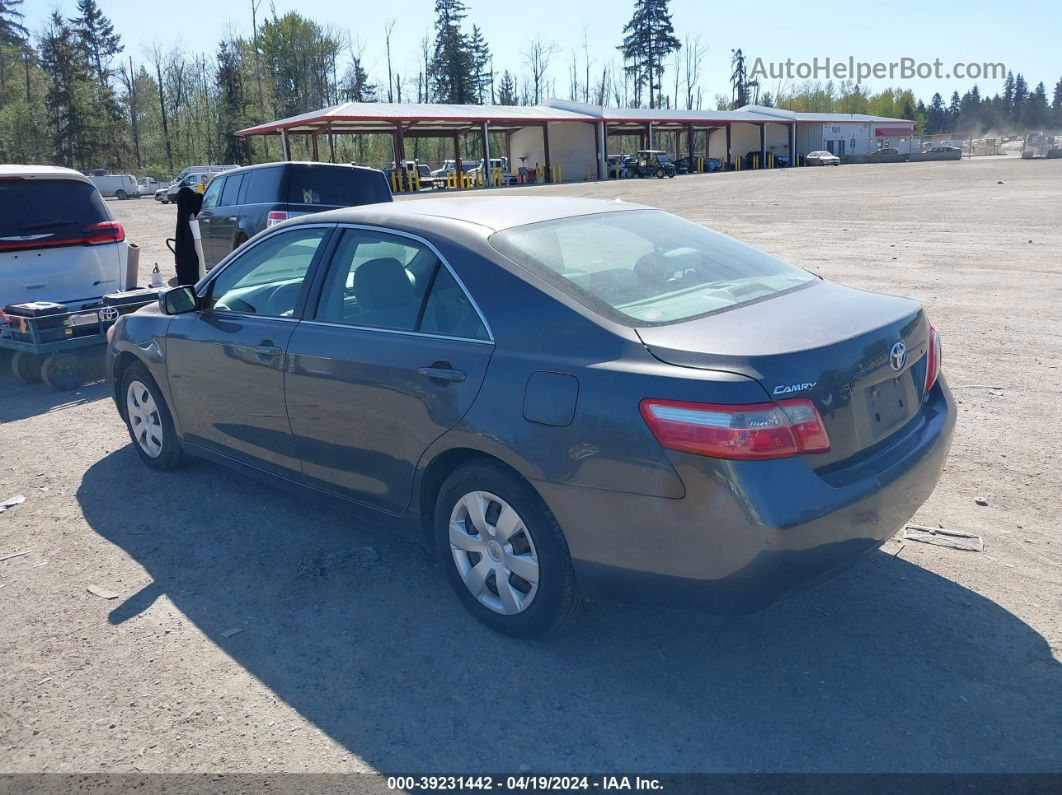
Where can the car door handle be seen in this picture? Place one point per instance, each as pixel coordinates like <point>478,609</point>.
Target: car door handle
<point>233,219</point>
<point>441,374</point>
<point>266,349</point>
<point>205,220</point>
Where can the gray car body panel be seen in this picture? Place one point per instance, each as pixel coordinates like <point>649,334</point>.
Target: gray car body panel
<point>558,403</point>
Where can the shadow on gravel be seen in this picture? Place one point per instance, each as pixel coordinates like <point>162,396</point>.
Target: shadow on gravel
<point>21,400</point>
<point>886,668</point>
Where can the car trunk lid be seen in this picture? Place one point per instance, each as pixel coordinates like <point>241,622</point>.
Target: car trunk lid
<point>835,345</point>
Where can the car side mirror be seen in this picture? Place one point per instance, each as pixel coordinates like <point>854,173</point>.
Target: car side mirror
<point>178,301</point>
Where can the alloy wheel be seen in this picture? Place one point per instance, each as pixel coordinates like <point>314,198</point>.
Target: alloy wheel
<point>494,552</point>
<point>144,419</point>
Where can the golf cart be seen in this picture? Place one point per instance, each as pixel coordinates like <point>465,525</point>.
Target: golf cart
<point>654,163</point>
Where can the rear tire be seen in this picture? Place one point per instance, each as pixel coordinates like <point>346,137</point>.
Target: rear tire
<point>27,366</point>
<point>63,371</point>
<point>490,524</point>
<point>121,195</point>
<point>149,421</point>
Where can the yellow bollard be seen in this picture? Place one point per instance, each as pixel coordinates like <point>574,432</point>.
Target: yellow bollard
<point>416,180</point>
<point>556,174</point>
<point>770,160</point>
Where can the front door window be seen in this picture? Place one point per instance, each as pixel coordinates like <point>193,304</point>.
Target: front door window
<point>268,279</point>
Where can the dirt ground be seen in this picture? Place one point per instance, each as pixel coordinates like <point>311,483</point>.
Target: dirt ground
<point>254,632</point>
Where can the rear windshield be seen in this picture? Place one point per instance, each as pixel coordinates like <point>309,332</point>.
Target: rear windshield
<point>647,267</point>
<point>338,187</point>
<point>51,208</point>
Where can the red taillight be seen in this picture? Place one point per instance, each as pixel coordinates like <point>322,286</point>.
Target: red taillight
<point>94,235</point>
<point>933,357</point>
<point>103,232</point>
<point>275,217</point>
<point>741,433</point>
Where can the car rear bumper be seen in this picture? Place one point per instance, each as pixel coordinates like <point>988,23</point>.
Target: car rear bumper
<point>748,533</point>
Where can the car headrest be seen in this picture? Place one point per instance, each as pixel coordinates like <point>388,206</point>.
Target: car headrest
<point>382,283</point>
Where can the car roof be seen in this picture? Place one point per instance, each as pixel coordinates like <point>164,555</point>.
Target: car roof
<point>42,172</point>
<point>495,213</point>
<point>299,163</point>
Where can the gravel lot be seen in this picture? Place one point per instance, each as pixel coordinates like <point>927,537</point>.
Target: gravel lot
<point>254,632</point>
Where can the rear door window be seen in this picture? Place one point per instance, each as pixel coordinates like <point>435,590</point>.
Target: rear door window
<point>337,187</point>
<point>47,211</point>
<point>264,185</point>
<point>231,190</point>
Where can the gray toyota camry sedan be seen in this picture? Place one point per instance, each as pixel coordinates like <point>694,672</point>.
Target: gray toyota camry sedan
<point>565,397</point>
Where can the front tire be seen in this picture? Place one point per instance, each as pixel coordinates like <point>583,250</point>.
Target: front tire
<point>503,551</point>
<point>149,421</point>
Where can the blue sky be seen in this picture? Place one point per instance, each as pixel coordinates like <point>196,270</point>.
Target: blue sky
<point>1023,35</point>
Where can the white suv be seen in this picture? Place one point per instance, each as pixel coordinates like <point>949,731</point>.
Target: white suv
<point>58,240</point>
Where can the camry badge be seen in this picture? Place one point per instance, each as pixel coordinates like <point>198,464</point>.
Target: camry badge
<point>898,356</point>
<point>786,389</point>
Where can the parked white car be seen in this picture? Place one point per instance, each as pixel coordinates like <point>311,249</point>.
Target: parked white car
<point>120,186</point>
<point>146,186</point>
<point>821,158</point>
<point>58,240</point>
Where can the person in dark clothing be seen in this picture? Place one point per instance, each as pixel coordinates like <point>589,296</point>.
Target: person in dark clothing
<point>185,256</point>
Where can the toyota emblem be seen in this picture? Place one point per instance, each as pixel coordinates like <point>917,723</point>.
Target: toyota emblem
<point>108,314</point>
<point>898,356</point>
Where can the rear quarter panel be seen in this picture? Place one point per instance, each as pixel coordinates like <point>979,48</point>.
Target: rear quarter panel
<point>607,444</point>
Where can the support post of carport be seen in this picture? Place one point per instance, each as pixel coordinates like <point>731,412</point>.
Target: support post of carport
<point>792,145</point>
<point>331,144</point>
<point>284,148</point>
<point>313,143</point>
<point>602,157</point>
<point>486,154</point>
<point>763,145</point>
<point>457,157</point>
<point>401,131</point>
<point>728,163</point>
<point>603,165</point>
<point>689,147</point>
<point>649,133</point>
<point>545,151</point>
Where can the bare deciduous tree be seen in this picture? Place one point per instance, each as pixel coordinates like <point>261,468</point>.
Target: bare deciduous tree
<point>537,57</point>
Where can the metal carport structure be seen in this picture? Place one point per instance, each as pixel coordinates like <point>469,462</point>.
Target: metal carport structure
<point>417,120</point>
<point>648,121</point>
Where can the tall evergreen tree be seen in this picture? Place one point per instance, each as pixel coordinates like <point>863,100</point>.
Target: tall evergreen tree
<point>232,104</point>
<point>1056,104</point>
<point>482,79</point>
<point>13,35</point>
<point>648,39</point>
<point>935,115</point>
<point>68,96</point>
<point>452,63</point>
<point>507,89</point>
<point>1021,93</point>
<point>738,79</point>
<point>97,36</point>
<point>1035,114</point>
